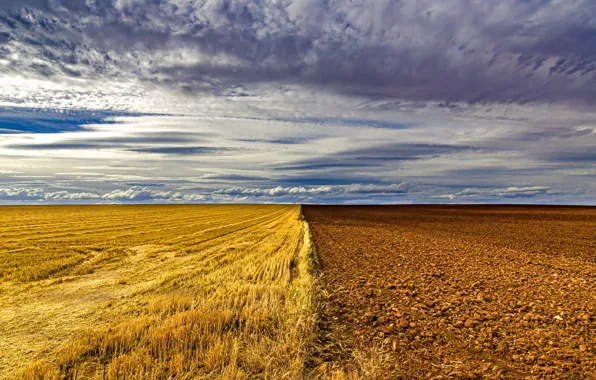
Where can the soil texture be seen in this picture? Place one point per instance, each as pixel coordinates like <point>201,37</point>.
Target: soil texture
<point>462,292</point>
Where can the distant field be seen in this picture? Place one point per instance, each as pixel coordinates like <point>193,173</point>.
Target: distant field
<point>148,292</point>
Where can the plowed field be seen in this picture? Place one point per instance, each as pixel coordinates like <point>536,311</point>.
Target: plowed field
<point>457,292</point>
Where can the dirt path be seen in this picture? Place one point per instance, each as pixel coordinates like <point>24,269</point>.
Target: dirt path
<point>458,292</point>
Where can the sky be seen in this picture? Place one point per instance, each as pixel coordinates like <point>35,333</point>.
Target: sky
<point>302,101</point>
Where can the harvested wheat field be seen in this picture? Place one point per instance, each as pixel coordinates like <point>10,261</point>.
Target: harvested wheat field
<point>154,292</point>
<point>456,292</point>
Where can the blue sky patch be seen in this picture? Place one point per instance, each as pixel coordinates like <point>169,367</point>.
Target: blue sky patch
<point>36,120</point>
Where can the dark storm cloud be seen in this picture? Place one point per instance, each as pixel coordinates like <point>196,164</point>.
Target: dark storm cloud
<point>578,156</point>
<point>454,50</point>
<point>72,5</point>
<point>376,156</point>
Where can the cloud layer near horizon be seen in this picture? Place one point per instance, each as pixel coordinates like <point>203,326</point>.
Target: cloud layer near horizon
<point>248,100</point>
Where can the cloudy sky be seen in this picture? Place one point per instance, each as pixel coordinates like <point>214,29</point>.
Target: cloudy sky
<point>326,101</point>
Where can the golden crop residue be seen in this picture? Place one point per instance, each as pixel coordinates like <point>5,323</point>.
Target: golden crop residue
<point>153,292</point>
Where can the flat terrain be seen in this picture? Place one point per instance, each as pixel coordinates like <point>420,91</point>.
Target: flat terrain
<point>153,292</point>
<point>457,292</point>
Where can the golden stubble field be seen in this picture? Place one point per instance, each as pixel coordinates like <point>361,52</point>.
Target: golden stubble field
<point>147,292</point>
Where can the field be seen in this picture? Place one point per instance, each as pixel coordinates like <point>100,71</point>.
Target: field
<point>457,292</point>
<point>154,292</point>
<point>239,292</point>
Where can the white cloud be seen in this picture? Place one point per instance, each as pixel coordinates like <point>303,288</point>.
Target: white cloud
<point>509,192</point>
<point>306,191</point>
<point>65,195</point>
<point>19,194</point>
<point>143,194</point>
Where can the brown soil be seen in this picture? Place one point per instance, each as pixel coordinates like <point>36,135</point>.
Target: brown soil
<point>459,291</point>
